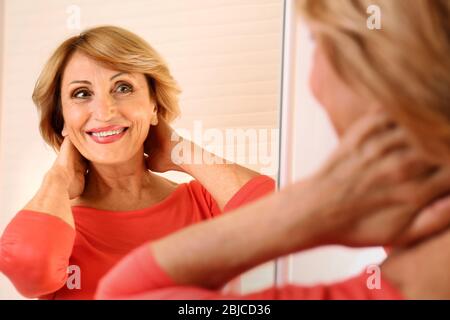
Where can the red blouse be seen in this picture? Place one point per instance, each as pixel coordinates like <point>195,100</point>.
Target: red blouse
<point>139,276</point>
<point>45,257</point>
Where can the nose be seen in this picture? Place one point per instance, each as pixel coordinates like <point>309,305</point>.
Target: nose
<point>104,108</point>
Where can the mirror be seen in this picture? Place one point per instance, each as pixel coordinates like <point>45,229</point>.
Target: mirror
<point>307,139</point>
<point>225,56</point>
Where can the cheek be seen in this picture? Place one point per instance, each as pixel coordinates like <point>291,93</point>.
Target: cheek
<point>339,101</point>
<point>320,80</point>
<point>316,73</point>
<point>323,89</point>
<point>314,83</point>
<point>139,114</point>
<point>74,118</point>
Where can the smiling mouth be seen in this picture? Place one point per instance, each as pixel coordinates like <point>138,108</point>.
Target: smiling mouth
<point>107,136</point>
<point>109,133</point>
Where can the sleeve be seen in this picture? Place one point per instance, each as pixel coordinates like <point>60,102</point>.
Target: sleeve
<point>34,252</point>
<point>140,277</point>
<point>254,188</point>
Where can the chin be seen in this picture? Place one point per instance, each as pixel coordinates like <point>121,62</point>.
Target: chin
<point>109,159</point>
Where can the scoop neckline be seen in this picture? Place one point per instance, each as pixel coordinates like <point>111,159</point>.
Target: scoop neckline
<point>155,206</point>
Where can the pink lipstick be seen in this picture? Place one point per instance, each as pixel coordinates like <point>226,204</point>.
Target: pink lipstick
<point>107,134</point>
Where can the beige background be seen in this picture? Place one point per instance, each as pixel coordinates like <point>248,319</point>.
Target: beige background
<point>224,53</point>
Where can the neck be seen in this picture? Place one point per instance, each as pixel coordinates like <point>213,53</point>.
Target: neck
<point>131,177</point>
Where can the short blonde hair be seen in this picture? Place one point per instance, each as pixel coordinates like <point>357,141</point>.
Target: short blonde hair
<point>116,48</point>
<point>405,65</point>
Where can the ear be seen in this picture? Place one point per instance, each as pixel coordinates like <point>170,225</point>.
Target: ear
<point>154,120</point>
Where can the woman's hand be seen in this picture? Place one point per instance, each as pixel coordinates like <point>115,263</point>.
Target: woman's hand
<point>63,182</point>
<point>71,166</point>
<point>159,145</point>
<point>167,150</point>
<point>372,189</point>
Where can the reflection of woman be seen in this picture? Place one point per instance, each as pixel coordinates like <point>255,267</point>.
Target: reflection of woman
<point>106,97</point>
<point>371,192</point>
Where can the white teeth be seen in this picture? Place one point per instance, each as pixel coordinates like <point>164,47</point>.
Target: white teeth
<point>107,133</point>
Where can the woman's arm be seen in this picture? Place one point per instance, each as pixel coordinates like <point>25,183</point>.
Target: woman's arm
<point>412,272</point>
<point>248,236</point>
<point>52,197</point>
<point>214,253</point>
<point>63,182</point>
<point>210,254</point>
<point>168,151</point>
<point>36,245</point>
<point>194,262</point>
<point>369,193</point>
<point>418,271</point>
<point>34,252</point>
<point>144,279</point>
<point>222,179</point>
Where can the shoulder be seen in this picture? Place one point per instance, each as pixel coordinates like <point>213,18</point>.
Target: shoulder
<point>254,188</point>
<point>197,189</point>
<point>198,192</point>
<point>164,183</point>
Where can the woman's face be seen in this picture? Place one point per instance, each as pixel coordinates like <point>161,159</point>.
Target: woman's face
<point>342,104</point>
<point>107,113</point>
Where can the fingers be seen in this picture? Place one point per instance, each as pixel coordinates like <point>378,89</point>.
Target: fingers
<point>355,139</point>
<point>391,156</point>
<point>68,150</point>
<point>382,143</point>
<point>435,186</point>
<point>424,190</point>
<point>401,166</point>
<point>366,127</point>
<point>429,221</point>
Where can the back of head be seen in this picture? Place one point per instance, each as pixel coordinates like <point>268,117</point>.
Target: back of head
<point>404,65</point>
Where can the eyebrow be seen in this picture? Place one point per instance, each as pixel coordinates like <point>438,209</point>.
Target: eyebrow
<point>118,75</point>
<point>87,82</point>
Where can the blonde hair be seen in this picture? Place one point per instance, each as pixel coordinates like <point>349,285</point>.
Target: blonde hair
<point>405,65</point>
<point>116,48</point>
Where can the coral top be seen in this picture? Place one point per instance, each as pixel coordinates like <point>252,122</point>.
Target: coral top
<point>139,276</point>
<point>44,257</point>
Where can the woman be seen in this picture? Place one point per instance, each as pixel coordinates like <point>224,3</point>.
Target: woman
<point>106,99</point>
<point>385,185</point>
